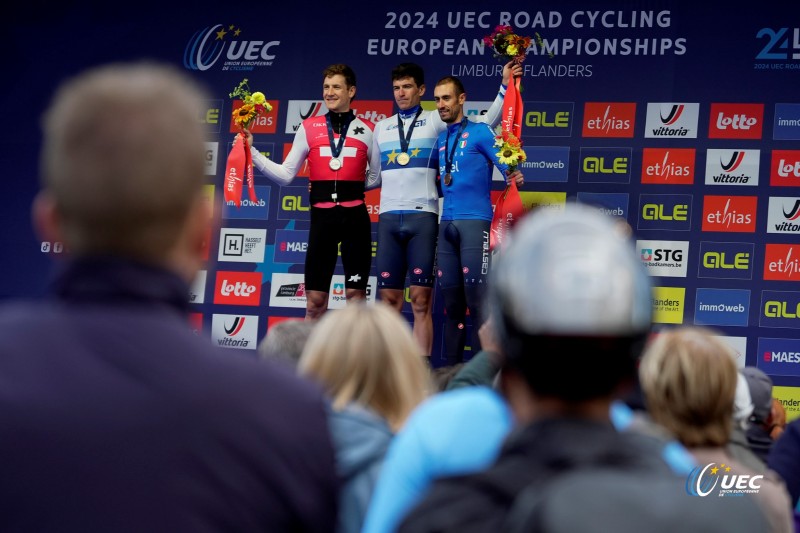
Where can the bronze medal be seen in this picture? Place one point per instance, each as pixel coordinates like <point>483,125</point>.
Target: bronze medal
<point>448,178</point>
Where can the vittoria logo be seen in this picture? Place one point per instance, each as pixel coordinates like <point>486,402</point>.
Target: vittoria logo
<point>732,167</point>
<point>672,120</point>
<point>235,331</point>
<point>783,215</point>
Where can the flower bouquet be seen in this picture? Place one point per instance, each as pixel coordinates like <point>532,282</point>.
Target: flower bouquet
<point>239,158</point>
<point>511,152</point>
<point>253,105</point>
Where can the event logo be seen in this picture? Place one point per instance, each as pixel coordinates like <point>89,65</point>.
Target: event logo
<point>258,210</point>
<point>293,202</point>
<point>672,120</point>
<point>783,215</point>
<point>372,200</point>
<point>722,307</point>
<point>605,165</point>
<point>290,246</point>
<point>668,166</point>
<point>782,44</point>
<point>263,123</point>
<point>782,262</point>
<point>546,163</point>
<point>238,288</point>
<point>732,214</point>
<point>779,357</point>
<point>609,119</point>
<point>726,260</point>
<point>732,167</point>
<point>736,121</point>
<point>704,480</point>
<point>786,126</point>
<point>665,212</point>
<point>242,245</point>
<point>235,331</point>
<point>210,116</point>
<point>785,168</point>
<point>664,258</point>
<point>211,158</point>
<point>668,305</point>
<point>548,119</point>
<point>610,203</point>
<point>197,291</point>
<point>780,309</point>
<point>210,44</point>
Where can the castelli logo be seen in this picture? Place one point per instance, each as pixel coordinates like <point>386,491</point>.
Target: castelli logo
<point>384,275</point>
<point>417,271</point>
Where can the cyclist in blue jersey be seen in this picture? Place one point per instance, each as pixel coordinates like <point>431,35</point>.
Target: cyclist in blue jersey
<point>409,208</point>
<point>466,156</point>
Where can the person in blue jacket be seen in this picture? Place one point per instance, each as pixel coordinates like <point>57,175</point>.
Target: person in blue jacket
<point>466,156</point>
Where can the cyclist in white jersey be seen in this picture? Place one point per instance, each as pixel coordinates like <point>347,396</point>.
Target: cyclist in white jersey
<point>409,208</point>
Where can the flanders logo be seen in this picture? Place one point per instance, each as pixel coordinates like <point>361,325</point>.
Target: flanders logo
<point>706,480</point>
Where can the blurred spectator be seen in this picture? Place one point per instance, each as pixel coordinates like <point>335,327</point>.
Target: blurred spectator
<point>285,341</point>
<point>738,446</point>
<point>689,379</point>
<point>114,415</point>
<point>572,304</point>
<point>367,360</point>
<point>778,416</point>
<point>759,424</point>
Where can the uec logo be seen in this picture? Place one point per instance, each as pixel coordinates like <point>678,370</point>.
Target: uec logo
<point>703,480</point>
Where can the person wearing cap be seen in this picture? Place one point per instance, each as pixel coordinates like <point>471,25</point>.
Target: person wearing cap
<point>572,305</point>
<point>759,424</point>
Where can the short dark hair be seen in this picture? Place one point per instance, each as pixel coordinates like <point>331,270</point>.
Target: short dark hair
<point>455,81</point>
<point>340,68</point>
<point>409,70</point>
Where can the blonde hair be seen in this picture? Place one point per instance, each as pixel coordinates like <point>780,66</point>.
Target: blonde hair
<point>124,156</point>
<point>366,354</point>
<point>688,377</point>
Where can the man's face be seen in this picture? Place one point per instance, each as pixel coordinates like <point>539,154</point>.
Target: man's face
<point>448,104</point>
<point>407,93</point>
<point>337,94</point>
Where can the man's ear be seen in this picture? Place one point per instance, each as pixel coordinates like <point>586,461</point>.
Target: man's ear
<point>421,91</point>
<point>352,91</point>
<point>46,218</point>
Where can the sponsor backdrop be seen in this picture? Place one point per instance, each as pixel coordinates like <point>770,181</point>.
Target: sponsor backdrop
<point>682,118</point>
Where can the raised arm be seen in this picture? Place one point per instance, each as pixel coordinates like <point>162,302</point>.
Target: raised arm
<point>283,174</point>
<point>495,113</point>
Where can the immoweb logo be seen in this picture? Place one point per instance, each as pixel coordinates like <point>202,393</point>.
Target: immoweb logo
<point>705,480</point>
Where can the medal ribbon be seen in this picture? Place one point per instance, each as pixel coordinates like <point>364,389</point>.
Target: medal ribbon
<point>405,138</point>
<point>448,158</point>
<point>336,148</point>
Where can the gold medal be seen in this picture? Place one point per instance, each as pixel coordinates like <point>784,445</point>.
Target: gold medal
<point>403,158</point>
<point>448,178</point>
<point>335,163</point>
